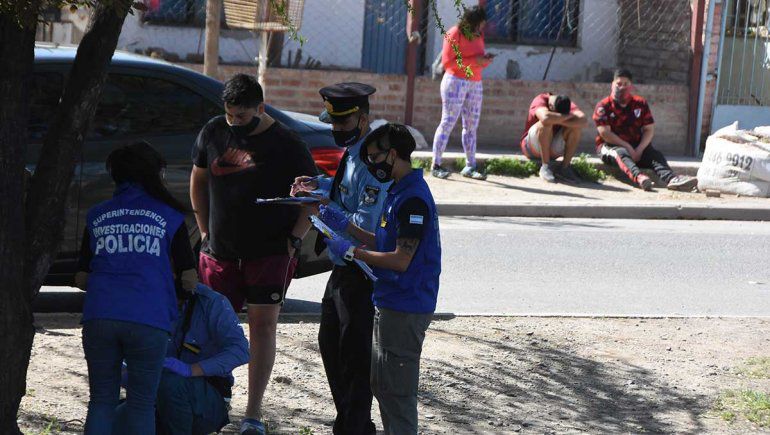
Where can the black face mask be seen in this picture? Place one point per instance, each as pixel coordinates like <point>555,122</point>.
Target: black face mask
<point>382,171</point>
<point>241,131</point>
<point>346,138</point>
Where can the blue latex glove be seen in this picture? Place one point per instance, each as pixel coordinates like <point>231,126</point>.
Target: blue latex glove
<point>335,219</point>
<point>338,246</point>
<point>175,366</point>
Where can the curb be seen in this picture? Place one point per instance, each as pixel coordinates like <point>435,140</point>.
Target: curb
<point>608,211</point>
<point>680,167</point>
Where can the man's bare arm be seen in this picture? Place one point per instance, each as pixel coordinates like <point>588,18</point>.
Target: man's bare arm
<point>199,197</point>
<point>397,260</point>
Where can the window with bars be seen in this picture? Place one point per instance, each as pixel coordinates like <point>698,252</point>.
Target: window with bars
<point>533,22</point>
<point>176,12</point>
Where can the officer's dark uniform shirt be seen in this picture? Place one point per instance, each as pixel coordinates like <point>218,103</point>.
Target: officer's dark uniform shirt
<point>242,170</point>
<point>130,239</point>
<point>409,213</point>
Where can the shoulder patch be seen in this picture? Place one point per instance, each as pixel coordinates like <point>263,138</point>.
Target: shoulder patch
<point>415,219</point>
<point>370,195</point>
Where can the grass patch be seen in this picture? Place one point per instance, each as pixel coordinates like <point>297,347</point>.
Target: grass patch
<point>53,427</point>
<point>511,167</point>
<point>756,368</point>
<point>586,170</point>
<point>460,163</point>
<point>751,405</point>
<point>423,164</point>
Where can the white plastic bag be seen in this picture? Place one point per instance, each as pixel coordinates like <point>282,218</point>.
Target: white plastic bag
<point>737,161</point>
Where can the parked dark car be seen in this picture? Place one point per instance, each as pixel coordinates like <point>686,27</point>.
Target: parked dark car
<point>162,103</point>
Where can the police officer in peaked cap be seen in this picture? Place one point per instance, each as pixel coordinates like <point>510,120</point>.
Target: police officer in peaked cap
<point>345,334</point>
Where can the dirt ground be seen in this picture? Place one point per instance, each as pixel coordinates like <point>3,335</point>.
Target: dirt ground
<point>479,375</point>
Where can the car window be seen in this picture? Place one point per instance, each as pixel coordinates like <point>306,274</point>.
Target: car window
<point>45,92</point>
<point>135,105</point>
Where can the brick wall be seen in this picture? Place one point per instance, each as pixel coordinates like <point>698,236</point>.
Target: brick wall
<point>662,55</point>
<point>504,112</point>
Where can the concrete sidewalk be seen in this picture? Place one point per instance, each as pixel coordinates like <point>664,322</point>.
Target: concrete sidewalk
<point>680,165</point>
<point>610,199</point>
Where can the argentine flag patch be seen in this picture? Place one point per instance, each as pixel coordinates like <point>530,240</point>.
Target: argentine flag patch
<point>415,219</point>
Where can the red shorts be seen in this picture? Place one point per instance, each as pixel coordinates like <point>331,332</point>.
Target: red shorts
<point>262,281</point>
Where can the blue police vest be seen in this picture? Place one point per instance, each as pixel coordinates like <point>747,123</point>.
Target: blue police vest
<point>131,278</point>
<point>416,290</point>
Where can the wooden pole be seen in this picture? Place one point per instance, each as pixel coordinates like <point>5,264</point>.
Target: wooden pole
<point>211,56</point>
<point>696,46</point>
<point>264,37</point>
<point>413,38</point>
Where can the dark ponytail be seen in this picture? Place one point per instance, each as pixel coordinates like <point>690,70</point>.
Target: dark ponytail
<point>140,163</point>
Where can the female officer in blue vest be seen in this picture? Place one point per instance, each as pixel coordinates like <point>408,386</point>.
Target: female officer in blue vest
<point>407,263</point>
<point>133,247</point>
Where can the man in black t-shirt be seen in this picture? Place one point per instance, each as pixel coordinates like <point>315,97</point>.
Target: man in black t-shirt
<point>248,251</point>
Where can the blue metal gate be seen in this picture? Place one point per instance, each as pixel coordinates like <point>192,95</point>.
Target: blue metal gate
<point>385,41</point>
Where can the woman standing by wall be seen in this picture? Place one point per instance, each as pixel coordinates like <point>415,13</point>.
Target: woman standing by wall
<point>461,93</point>
<point>134,246</point>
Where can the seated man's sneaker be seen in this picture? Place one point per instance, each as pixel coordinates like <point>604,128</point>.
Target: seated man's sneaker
<point>567,174</point>
<point>250,426</point>
<point>471,172</point>
<point>546,174</point>
<point>439,172</point>
<point>683,183</point>
<point>644,182</point>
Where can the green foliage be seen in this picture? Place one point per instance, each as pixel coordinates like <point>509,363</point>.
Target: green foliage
<point>460,163</point>
<point>421,163</point>
<point>586,170</point>
<point>511,167</point>
<point>757,368</point>
<point>281,10</point>
<point>752,405</point>
<point>306,431</point>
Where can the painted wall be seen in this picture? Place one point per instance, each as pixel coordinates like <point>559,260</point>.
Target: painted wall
<point>235,46</point>
<point>595,51</point>
<point>335,33</point>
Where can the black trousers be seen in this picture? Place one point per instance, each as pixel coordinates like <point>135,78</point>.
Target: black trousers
<point>345,340</point>
<point>651,159</point>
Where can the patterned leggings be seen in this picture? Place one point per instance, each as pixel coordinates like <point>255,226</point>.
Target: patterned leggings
<point>458,97</point>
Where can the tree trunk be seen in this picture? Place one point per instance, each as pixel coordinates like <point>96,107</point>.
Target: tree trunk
<point>17,43</point>
<point>30,231</point>
<point>62,144</point>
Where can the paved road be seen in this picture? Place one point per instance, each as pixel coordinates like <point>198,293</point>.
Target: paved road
<point>593,267</point>
<point>601,267</point>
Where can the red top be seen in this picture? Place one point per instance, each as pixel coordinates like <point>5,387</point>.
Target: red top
<point>626,122</point>
<point>469,49</point>
<point>538,102</point>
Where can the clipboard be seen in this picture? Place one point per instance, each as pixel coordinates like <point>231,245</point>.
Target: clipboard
<point>292,200</point>
<point>330,234</point>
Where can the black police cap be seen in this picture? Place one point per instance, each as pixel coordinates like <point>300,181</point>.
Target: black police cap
<point>344,99</point>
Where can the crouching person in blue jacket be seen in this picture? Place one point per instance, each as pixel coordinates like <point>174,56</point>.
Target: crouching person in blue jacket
<point>405,253</point>
<point>206,345</point>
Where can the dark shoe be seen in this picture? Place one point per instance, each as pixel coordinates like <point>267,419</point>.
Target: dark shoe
<point>644,182</point>
<point>567,175</point>
<point>439,172</point>
<point>683,183</point>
